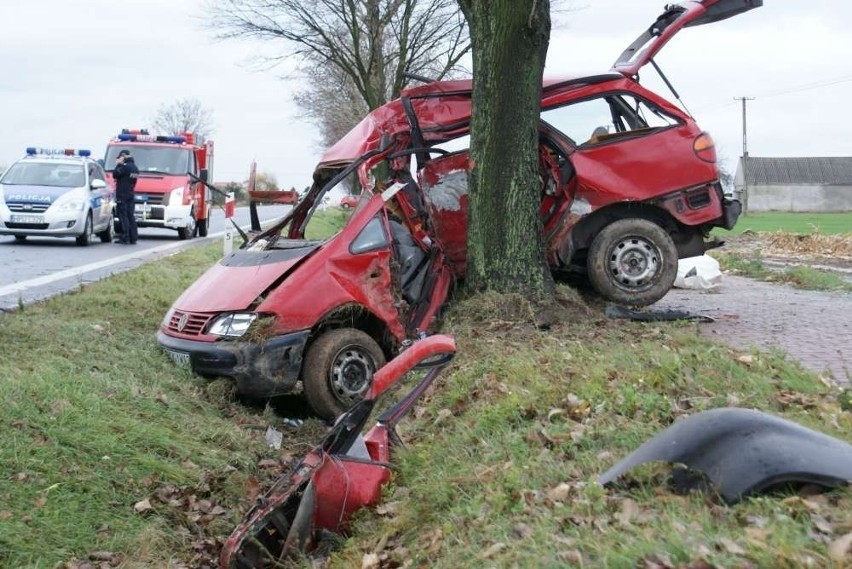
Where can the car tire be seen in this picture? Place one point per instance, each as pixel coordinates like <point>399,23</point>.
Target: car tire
<point>20,238</point>
<point>633,262</point>
<point>107,234</point>
<point>88,235</point>
<point>339,369</point>
<point>188,232</point>
<point>345,206</point>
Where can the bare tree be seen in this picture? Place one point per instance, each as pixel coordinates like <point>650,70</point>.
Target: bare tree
<point>184,115</point>
<point>364,48</point>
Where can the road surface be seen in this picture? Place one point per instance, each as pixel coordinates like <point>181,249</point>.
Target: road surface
<point>40,268</point>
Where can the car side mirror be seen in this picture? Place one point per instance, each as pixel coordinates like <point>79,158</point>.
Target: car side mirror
<point>98,184</point>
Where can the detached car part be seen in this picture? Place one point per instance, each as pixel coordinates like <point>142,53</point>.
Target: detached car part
<point>743,451</point>
<point>343,473</point>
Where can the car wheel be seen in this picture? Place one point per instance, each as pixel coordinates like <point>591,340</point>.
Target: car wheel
<point>345,206</point>
<point>189,231</point>
<point>633,262</point>
<point>107,234</point>
<point>88,236</point>
<point>339,369</point>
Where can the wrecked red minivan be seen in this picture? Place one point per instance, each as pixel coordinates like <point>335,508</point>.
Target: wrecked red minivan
<point>629,184</point>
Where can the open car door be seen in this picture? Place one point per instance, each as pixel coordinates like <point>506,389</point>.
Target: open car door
<point>676,16</point>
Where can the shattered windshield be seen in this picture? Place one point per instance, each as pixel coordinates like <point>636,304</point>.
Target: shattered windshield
<point>318,216</point>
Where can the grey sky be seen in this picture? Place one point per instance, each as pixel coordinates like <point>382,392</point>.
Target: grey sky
<point>75,73</point>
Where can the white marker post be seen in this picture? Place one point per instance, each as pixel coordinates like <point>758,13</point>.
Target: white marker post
<point>228,244</point>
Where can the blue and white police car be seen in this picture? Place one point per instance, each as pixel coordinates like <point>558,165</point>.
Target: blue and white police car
<point>56,193</point>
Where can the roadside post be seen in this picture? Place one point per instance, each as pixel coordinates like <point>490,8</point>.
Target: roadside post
<point>228,244</point>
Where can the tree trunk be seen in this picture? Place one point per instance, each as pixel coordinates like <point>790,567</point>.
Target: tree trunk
<point>505,245</point>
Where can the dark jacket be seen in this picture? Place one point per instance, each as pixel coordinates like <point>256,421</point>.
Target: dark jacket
<point>125,179</point>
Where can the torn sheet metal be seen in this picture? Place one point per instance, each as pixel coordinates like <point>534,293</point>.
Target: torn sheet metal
<point>744,451</point>
<point>343,473</point>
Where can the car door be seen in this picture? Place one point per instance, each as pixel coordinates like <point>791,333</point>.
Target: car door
<point>99,197</point>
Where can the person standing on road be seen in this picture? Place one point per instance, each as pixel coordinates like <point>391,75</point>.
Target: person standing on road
<point>125,174</point>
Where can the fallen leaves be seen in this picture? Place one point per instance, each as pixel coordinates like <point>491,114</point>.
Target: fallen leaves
<point>840,550</point>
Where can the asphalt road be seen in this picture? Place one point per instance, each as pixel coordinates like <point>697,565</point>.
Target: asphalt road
<point>40,268</point>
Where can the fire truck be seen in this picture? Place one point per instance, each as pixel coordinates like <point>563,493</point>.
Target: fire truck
<point>170,192</point>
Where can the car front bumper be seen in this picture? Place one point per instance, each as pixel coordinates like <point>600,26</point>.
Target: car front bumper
<point>47,224</point>
<point>260,370</point>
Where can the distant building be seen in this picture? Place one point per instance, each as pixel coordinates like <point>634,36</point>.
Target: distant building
<point>809,184</point>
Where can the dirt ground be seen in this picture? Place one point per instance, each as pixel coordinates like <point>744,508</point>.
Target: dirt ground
<point>812,327</point>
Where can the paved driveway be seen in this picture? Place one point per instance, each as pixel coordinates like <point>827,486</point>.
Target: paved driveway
<point>811,326</point>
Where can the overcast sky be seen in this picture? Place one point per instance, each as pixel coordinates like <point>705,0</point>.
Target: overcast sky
<point>74,73</point>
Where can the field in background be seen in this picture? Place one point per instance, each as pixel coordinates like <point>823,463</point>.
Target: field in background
<point>800,223</point>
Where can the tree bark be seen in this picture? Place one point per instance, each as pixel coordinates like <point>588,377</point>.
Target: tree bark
<point>505,245</point>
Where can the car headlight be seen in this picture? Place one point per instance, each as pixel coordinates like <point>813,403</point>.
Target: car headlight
<point>69,202</point>
<point>232,325</point>
<point>176,196</point>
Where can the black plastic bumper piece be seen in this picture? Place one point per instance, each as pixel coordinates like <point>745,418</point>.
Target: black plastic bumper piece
<point>731,213</point>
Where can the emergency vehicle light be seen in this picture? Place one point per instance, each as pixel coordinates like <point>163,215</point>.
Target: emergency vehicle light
<point>131,137</point>
<point>134,131</point>
<point>34,150</point>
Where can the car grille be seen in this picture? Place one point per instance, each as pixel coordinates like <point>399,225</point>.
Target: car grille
<point>188,323</point>
<point>28,208</point>
<point>150,199</point>
<point>40,226</point>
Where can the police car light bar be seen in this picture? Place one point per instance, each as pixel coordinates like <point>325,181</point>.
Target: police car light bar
<point>34,150</point>
<point>130,137</point>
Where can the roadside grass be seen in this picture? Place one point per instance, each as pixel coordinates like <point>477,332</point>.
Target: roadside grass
<point>502,457</point>
<point>108,449</point>
<point>789,222</point>
<point>802,277</point>
<point>114,457</point>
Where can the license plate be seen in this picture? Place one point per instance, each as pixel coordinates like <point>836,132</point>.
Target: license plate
<point>27,219</point>
<point>178,358</point>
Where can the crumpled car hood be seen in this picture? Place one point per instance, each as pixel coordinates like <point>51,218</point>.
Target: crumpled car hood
<point>744,451</point>
<point>238,279</point>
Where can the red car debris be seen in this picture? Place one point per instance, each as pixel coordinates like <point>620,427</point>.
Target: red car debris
<point>344,472</point>
<point>629,184</point>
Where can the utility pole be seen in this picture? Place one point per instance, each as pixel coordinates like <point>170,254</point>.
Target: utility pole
<point>744,191</point>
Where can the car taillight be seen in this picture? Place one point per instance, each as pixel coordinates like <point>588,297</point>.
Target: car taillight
<point>704,147</point>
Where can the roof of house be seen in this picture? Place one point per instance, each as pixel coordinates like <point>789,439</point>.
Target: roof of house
<point>834,170</point>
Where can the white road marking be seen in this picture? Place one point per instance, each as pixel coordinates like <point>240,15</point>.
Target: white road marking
<point>76,271</point>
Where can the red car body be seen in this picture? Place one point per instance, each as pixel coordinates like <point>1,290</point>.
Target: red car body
<point>343,473</point>
<point>623,196</point>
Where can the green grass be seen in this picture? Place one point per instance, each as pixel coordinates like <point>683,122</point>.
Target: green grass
<point>799,223</point>
<point>802,277</point>
<point>499,464</point>
<point>508,480</point>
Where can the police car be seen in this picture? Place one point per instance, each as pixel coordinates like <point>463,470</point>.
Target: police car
<point>56,193</point>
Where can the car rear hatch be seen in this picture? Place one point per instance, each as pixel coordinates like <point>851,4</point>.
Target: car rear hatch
<point>671,21</point>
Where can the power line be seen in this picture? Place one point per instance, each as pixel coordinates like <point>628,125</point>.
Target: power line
<point>786,91</point>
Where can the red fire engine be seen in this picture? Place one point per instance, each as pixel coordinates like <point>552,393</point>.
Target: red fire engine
<point>170,192</point>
